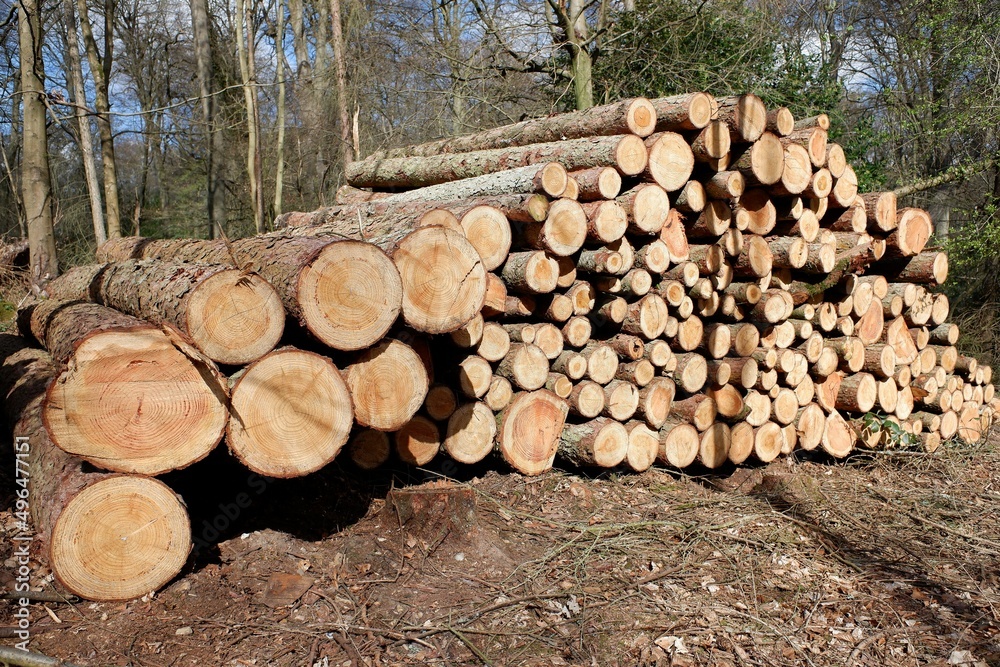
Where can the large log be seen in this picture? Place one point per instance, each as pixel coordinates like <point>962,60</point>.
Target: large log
<point>96,528</point>
<point>624,152</point>
<point>745,115</point>
<point>134,398</point>
<point>388,384</point>
<point>345,293</point>
<point>234,317</point>
<point>602,442</point>
<point>292,413</point>
<point>690,111</point>
<point>636,116</point>
<point>529,431</point>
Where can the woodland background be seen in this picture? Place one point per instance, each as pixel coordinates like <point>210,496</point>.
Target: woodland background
<point>176,118</point>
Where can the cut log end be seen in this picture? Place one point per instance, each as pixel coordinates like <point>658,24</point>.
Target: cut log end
<point>236,317</point>
<point>132,401</point>
<point>443,279</point>
<point>388,384</point>
<point>120,538</point>
<point>352,293</point>
<point>293,414</point>
<point>529,431</point>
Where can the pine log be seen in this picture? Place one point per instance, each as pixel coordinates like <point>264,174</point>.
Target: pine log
<point>621,400</point>
<point>346,293</point>
<point>844,193</point>
<point>838,436</point>
<point>601,442</point>
<point>643,444</point>
<point>624,152</point>
<point>690,111</point>
<point>577,331</point>
<point>646,317</point>
<point>768,441</point>
<point>679,444</point>
<point>713,446</point>
<point>562,231</point>
<point>635,116</point>
<point>470,433</point>
<point>853,219</point>
<point>869,327</point>
<point>529,431</point>
<point>388,384</point>
<point>711,143</point>
<point>929,267</point>
<point>828,389</point>
<point>670,160</point>
<point>762,162</point>
<point>531,271</point>
<point>607,221</point>
<point>231,316</point>
<point>499,394</point>
<point>369,449</point>
<point>470,333</point>
<point>725,185</point>
<point>494,342</point>
<point>653,257</point>
<point>674,236</point>
<point>418,441</point>
<point>135,398</point>
<point>913,230</point>
<point>597,183</point>
<point>526,366</point>
<point>586,399</point>
<point>728,400</point>
<point>857,393</point>
<point>293,414</point>
<point>655,401</point>
<point>92,524</point>
<point>440,402</point>
<point>756,259</point>
<point>881,209</point>
<point>746,116</point>
<point>814,140</point>
<point>741,440</point>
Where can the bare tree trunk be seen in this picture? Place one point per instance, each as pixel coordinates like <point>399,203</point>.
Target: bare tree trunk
<point>341,71</point>
<point>203,53</point>
<point>281,68</point>
<point>245,51</point>
<point>79,99</point>
<point>100,69</point>
<point>35,186</point>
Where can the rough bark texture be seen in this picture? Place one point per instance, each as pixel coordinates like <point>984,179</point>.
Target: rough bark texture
<point>624,152</point>
<point>231,316</point>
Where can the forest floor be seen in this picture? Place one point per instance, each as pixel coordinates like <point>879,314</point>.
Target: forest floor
<point>880,560</point>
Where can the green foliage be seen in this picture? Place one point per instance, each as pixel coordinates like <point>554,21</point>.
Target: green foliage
<point>892,434</point>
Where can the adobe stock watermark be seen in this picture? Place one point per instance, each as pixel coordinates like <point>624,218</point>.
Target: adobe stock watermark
<point>22,540</point>
<point>229,512</point>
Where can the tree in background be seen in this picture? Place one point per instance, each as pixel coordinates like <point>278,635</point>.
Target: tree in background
<point>35,188</point>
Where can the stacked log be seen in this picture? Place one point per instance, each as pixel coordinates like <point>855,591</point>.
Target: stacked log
<point>683,281</point>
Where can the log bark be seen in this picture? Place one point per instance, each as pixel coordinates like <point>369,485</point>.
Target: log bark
<point>345,293</point>
<point>636,116</point>
<point>602,442</point>
<point>624,152</point>
<point>79,513</point>
<point>232,316</point>
<point>135,398</point>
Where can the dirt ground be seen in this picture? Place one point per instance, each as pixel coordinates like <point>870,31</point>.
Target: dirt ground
<point>880,560</point>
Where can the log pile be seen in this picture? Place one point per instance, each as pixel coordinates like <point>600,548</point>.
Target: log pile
<point>681,281</point>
